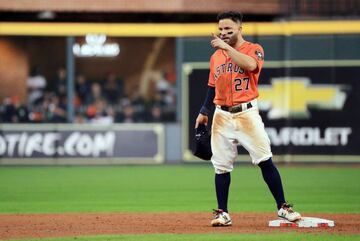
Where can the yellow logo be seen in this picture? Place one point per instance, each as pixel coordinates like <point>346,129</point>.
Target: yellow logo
<point>291,97</point>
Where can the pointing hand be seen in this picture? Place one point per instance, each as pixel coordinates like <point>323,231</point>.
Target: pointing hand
<point>218,43</point>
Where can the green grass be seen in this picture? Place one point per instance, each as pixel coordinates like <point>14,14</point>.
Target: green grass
<point>175,188</point>
<point>171,188</point>
<point>211,237</point>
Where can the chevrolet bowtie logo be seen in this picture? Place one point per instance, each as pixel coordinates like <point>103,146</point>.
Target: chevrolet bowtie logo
<point>291,97</point>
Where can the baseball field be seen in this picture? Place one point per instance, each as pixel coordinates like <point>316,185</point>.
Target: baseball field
<point>170,202</point>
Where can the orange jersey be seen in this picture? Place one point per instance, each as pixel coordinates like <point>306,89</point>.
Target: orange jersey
<point>234,85</point>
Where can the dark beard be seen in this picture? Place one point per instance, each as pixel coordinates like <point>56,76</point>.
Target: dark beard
<point>233,40</point>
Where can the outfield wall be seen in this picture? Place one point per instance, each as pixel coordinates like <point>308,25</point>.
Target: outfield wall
<point>308,95</point>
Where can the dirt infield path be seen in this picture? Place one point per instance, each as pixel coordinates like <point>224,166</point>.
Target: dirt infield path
<point>60,225</point>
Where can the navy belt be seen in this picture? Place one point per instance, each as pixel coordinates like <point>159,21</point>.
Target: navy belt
<point>236,108</point>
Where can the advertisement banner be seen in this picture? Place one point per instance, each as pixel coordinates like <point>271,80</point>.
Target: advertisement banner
<point>86,144</point>
<point>310,112</point>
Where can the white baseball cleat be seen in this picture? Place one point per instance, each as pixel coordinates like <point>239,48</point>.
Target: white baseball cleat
<point>286,212</point>
<point>221,218</point>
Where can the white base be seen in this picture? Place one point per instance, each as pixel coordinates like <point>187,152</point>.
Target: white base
<point>304,222</point>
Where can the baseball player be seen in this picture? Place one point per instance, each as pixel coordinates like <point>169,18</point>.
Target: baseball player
<point>235,67</point>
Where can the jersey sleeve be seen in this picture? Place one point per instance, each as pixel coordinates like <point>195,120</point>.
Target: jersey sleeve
<point>257,52</point>
<point>211,81</point>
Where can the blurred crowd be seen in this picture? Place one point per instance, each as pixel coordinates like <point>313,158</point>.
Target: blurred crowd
<point>96,101</point>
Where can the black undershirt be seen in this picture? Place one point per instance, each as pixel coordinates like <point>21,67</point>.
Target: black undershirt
<point>208,103</point>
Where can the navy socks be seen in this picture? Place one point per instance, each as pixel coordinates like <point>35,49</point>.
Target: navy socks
<point>222,184</point>
<point>273,180</point>
<point>270,174</point>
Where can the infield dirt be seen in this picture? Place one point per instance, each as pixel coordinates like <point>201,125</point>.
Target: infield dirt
<point>19,226</point>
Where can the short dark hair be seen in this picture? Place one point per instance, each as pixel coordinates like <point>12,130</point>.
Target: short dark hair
<point>234,16</point>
